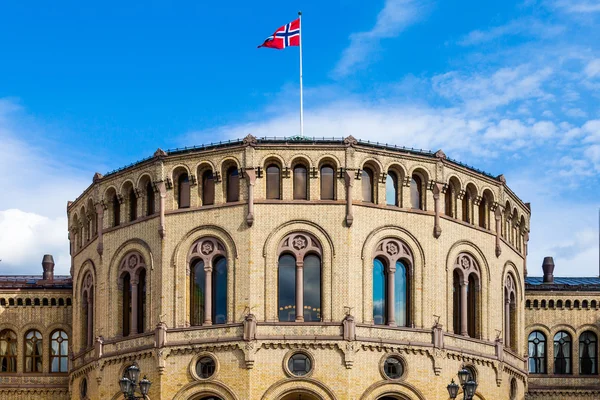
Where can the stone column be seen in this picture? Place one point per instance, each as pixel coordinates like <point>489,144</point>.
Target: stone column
<point>437,189</point>
<point>507,321</point>
<point>100,227</point>
<point>134,306</point>
<point>163,195</point>
<point>208,293</point>
<point>251,178</point>
<point>525,240</point>
<point>299,291</point>
<point>390,296</point>
<point>90,322</point>
<point>498,217</point>
<point>464,328</point>
<point>348,179</point>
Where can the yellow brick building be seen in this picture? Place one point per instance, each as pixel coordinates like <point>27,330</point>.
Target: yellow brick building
<point>287,269</point>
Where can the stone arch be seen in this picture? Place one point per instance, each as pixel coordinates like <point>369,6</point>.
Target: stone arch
<point>375,165</point>
<point>272,158</point>
<point>143,178</point>
<point>511,268</point>
<point>228,162</point>
<point>194,390</point>
<point>125,186</point>
<point>405,390</point>
<point>328,159</point>
<point>271,257</point>
<point>290,385</point>
<point>588,327</point>
<point>571,330</point>
<point>301,158</point>
<point>47,331</point>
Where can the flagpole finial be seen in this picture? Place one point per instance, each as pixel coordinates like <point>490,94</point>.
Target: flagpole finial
<point>299,12</point>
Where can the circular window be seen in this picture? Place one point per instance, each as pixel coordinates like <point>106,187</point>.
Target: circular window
<point>205,367</point>
<point>299,364</point>
<point>513,389</point>
<point>393,368</point>
<point>83,388</point>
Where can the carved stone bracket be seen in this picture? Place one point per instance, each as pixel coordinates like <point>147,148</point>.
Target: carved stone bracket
<point>249,350</point>
<point>349,351</point>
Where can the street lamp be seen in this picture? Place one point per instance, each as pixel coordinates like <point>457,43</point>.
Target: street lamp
<point>129,382</point>
<point>467,382</point>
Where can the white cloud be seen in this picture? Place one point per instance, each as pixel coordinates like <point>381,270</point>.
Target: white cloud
<point>592,69</point>
<point>395,16</point>
<point>525,27</point>
<point>578,6</point>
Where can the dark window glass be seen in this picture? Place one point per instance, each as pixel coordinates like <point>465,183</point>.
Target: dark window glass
<point>466,203</point>
<point>205,368</point>
<point>273,182</point>
<point>233,185</point>
<point>537,353</point>
<point>83,389</point>
<point>90,314</point>
<point>299,364</point>
<point>327,183</point>
<point>149,199</point>
<point>219,291</point>
<point>449,201</point>
<point>312,288</point>
<point>300,183</point>
<point>562,353</point>
<point>513,389</point>
<point>379,289</point>
<point>198,285</point>
<point>8,351</point>
<point>116,206</point>
<point>141,301</point>
<point>367,185</point>
<point>391,189</point>
<point>393,368</point>
<point>588,353</point>
<point>33,351</point>
<point>456,308</point>
<point>483,213</point>
<point>513,322</point>
<point>126,304</point>
<point>132,205</point>
<point>183,191</point>
<point>401,294</point>
<point>416,189</point>
<point>59,352</point>
<point>208,188</point>
<point>84,317</point>
<point>287,288</point>
<point>472,306</point>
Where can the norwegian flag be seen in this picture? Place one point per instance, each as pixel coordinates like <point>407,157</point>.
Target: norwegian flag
<point>287,35</point>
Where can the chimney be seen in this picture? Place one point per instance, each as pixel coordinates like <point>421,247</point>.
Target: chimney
<point>48,265</point>
<point>548,268</point>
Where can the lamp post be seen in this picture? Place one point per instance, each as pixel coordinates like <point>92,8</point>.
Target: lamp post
<point>129,382</point>
<point>469,385</point>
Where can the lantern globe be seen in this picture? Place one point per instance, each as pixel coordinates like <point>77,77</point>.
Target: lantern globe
<point>470,388</point>
<point>125,385</point>
<point>145,386</point>
<point>133,373</point>
<point>463,376</point>
<point>452,389</point>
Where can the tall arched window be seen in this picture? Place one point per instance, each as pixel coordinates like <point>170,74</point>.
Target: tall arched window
<point>132,205</point>
<point>208,282</point>
<point>327,183</point>
<point>588,353</point>
<point>33,351</point>
<point>59,352</point>
<point>416,192</point>
<point>510,311</point>
<point>466,304</point>
<point>273,182</point>
<point>233,184</point>
<point>149,198</point>
<point>450,200</point>
<point>87,312</point>
<point>183,190</point>
<point>133,280</point>
<point>537,352</point>
<point>484,209</point>
<point>208,188</point>
<point>467,206</point>
<point>562,353</point>
<point>299,278</point>
<point>391,283</point>
<point>116,209</point>
<point>368,189</point>
<point>300,183</point>
<point>8,351</point>
<point>391,189</point>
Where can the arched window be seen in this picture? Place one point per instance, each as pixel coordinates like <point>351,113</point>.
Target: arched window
<point>208,282</point>
<point>537,352</point>
<point>59,352</point>
<point>391,189</point>
<point>327,183</point>
<point>510,313</point>
<point>233,184</point>
<point>208,188</point>
<point>273,182</point>
<point>149,198</point>
<point>456,306</point>
<point>132,205</point>
<point>391,283</point>
<point>87,312</point>
<point>467,204</point>
<point>483,213</point>
<point>8,351</point>
<point>416,192</point>
<point>299,278</point>
<point>368,189</point>
<point>33,351</point>
<point>466,298</point>
<point>133,280</point>
<point>116,209</point>
<point>183,190</point>
<point>472,306</point>
<point>562,353</point>
<point>588,353</point>
<point>300,183</point>
<point>559,304</point>
<point>450,200</point>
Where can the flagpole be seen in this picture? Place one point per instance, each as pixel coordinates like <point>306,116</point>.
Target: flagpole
<point>301,94</point>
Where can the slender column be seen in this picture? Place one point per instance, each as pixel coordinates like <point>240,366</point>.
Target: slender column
<point>134,307</point>
<point>348,179</point>
<point>525,240</point>
<point>464,329</point>
<point>391,301</point>
<point>163,195</point>
<point>507,322</point>
<point>208,294</point>
<point>437,230</point>
<point>251,174</point>
<point>498,217</point>
<point>299,291</point>
<point>90,319</point>
<point>100,227</point>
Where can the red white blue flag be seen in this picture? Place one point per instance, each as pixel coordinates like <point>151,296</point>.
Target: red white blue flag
<point>287,35</point>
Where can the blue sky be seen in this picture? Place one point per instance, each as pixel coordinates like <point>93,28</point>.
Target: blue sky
<point>509,87</point>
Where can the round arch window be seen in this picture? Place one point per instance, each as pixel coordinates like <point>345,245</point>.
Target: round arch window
<point>393,368</point>
<point>513,389</point>
<point>83,388</point>
<point>205,367</point>
<point>299,364</point>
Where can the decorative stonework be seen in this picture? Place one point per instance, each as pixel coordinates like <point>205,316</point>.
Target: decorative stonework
<point>206,248</point>
<point>392,250</point>
<point>300,244</point>
<point>250,140</point>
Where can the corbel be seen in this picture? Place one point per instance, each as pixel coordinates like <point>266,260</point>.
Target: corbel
<point>259,172</point>
<point>193,180</point>
<point>358,174</point>
<point>341,171</point>
<point>286,172</point>
<point>155,186</point>
<point>120,198</point>
<point>313,172</point>
<point>169,184</point>
<point>383,177</point>
<point>217,176</point>
<point>137,192</point>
